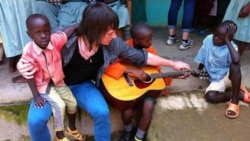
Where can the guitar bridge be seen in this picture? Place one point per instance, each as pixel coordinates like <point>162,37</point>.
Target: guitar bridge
<point>128,79</point>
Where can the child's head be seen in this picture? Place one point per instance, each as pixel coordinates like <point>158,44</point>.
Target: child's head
<point>39,30</point>
<point>221,31</point>
<point>142,35</point>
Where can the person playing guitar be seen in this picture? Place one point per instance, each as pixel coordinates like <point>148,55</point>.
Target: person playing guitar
<point>142,39</point>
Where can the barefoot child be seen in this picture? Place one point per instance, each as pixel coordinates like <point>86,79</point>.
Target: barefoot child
<point>220,58</point>
<point>44,52</point>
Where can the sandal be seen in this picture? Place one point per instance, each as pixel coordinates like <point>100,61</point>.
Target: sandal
<point>63,139</point>
<point>233,109</point>
<point>244,90</point>
<point>75,134</point>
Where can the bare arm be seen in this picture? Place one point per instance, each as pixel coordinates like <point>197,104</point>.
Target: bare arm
<point>235,56</point>
<point>155,60</point>
<point>244,12</point>
<point>71,29</point>
<point>38,100</point>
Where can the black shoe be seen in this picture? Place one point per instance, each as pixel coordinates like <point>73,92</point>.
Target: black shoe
<point>126,136</point>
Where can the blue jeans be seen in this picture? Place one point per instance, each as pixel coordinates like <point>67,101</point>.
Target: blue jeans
<point>188,14</point>
<point>89,98</point>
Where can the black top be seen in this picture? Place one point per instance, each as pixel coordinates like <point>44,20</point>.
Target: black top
<point>79,70</point>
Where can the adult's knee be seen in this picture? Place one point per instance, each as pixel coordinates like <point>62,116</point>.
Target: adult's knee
<point>36,122</point>
<point>101,114</point>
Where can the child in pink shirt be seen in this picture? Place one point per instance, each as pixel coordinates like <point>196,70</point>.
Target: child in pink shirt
<point>44,52</point>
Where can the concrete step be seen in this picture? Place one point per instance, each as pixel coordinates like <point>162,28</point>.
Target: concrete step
<point>13,121</point>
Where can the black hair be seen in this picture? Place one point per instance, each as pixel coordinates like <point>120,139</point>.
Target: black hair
<point>139,28</point>
<point>30,21</point>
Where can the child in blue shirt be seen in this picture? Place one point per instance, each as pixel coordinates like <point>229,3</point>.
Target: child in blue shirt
<point>220,58</point>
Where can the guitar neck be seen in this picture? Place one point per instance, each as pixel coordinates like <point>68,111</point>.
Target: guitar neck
<point>167,74</point>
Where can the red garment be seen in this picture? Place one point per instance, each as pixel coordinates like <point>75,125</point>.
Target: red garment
<point>49,67</point>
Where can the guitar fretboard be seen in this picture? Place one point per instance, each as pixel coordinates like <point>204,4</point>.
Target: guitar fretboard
<point>168,74</point>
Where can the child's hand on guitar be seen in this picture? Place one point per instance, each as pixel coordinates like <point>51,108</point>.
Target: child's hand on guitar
<point>138,73</point>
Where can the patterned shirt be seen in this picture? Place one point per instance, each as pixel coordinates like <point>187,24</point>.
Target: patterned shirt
<point>216,59</point>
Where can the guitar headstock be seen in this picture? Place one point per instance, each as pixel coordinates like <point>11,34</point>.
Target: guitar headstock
<point>200,73</point>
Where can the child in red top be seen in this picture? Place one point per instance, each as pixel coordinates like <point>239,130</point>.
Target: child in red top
<point>44,52</point>
<point>141,39</point>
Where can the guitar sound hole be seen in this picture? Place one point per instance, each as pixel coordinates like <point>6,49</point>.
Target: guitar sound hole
<point>148,80</point>
<point>141,84</point>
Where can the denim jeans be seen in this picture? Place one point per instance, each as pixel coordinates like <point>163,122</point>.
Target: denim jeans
<point>188,14</point>
<point>89,98</point>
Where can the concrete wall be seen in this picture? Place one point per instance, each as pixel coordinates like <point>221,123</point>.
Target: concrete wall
<point>157,11</point>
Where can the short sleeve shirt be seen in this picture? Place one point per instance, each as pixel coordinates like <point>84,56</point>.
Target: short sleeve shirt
<point>47,61</point>
<point>216,59</point>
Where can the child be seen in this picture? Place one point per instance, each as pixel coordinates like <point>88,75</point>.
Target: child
<point>44,52</point>
<point>141,38</point>
<point>221,60</point>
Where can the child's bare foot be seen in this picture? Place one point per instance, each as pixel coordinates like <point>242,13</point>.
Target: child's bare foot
<point>19,79</point>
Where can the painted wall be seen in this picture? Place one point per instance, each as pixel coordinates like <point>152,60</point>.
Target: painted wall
<point>157,11</point>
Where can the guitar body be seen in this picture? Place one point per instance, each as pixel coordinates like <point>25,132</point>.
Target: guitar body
<point>127,91</point>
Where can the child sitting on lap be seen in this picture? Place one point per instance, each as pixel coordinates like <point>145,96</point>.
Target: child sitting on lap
<point>44,52</point>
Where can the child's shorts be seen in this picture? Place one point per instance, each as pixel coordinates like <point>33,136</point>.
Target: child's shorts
<point>221,85</point>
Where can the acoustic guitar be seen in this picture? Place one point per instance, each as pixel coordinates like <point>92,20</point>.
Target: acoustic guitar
<point>126,91</point>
